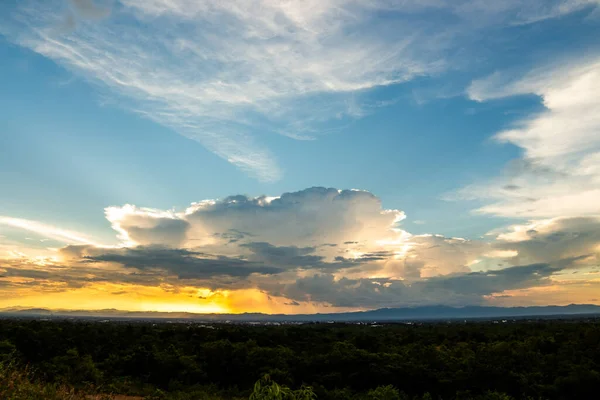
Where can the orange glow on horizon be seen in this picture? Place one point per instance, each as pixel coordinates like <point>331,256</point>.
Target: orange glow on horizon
<point>154,298</point>
<point>556,294</point>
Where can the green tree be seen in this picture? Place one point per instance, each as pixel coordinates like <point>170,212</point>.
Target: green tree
<point>267,389</point>
<point>7,351</point>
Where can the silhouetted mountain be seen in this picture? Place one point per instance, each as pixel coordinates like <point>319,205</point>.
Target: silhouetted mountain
<point>379,315</point>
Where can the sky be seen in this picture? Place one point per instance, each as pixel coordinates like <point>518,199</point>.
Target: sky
<point>298,156</point>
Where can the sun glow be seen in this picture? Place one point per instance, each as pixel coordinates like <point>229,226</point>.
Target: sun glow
<point>127,297</point>
<point>184,307</point>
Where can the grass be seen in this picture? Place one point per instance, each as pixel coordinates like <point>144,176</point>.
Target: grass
<point>20,384</point>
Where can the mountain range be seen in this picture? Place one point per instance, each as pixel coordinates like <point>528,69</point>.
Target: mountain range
<point>380,315</point>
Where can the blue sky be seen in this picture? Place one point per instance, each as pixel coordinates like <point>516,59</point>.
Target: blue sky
<point>473,119</point>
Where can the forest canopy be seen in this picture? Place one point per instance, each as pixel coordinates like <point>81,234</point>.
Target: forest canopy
<point>483,360</point>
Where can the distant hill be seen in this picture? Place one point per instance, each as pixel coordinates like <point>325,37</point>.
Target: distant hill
<point>379,315</point>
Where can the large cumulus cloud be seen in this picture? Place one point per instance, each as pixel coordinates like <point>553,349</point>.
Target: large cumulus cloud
<point>308,217</point>
<point>316,228</point>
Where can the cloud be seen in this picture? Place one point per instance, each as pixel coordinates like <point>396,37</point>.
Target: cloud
<point>309,229</point>
<point>290,256</point>
<point>459,289</point>
<point>233,69</point>
<point>48,231</point>
<point>306,218</point>
<point>184,264</point>
<point>248,239</point>
<point>145,226</point>
<point>88,9</point>
<point>341,248</point>
<point>80,10</point>
<point>317,247</point>
<point>431,255</point>
<point>516,12</point>
<point>51,275</point>
<point>558,175</point>
<point>553,239</point>
<point>225,74</point>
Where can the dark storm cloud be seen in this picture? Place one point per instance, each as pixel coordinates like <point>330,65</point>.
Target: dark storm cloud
<point>288,256</point>
<point>367,257</point>
<point>232,235</point>
<point>292,257</point>
<point>185,264</point>
<point>383,292</point>
<point>485,283</point>
<point>560,239</point>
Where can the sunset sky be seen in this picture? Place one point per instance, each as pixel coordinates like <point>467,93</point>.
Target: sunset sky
<point>298,156</point>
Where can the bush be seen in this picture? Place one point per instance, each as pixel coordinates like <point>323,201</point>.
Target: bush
<point>267,389</point>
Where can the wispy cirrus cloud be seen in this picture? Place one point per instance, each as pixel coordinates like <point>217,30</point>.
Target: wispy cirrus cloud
<point>45,230</point>
<point>225,74</point>
<point>219,72</point>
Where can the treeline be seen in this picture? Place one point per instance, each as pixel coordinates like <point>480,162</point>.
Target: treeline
<point>543,360</point>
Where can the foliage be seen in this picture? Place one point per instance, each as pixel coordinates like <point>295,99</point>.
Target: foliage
<point>267,389</point>
<point>529,360</point>
<point>18,385</point>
